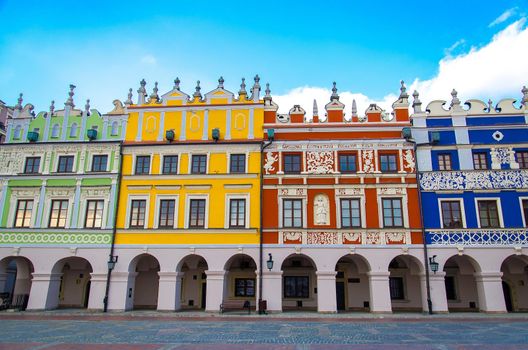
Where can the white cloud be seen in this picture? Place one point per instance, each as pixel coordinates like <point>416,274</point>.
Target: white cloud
<point>148,59</point>
<point>495,70</point>
<point>450,50</point>
<point>503,17</point>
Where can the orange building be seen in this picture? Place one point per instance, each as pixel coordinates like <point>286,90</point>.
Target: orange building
<point>340,210</point>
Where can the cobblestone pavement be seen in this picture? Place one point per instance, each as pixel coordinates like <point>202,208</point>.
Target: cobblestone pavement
<point>163,332</point>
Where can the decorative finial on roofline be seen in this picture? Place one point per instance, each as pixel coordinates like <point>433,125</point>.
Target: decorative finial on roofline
<point>221,82</point>
<point>128,102</point>
<point>69,101</point>
<point>242,90</point>
<point>417,104</point>
<point>315,109</point>
<point>87,107</point>
<point>19,102</point>
<point>354,108</point>
<point>267,96</point>
<point>525,96</point>
<point>334,96</point>
<point>198,88</point>
<point>403,90</point>
<point>52,108</point>
<point>177,84</point>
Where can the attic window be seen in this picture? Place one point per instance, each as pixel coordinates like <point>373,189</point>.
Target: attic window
<point>17,132</point>
<point>73,130</point>
<point>55,131</point>
<point>115,130</point>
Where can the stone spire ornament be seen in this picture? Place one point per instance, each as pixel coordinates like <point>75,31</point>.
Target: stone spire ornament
<point>354,108</point>
<point>242,90</point>
<point>176,84</point>
<point>524,101</point>
<point>267,96</point>
<point>315,109</point>
<point>87,107</point>
<point>403,90</point>
<point>454,101</point>
<point>128,102</point>
<point>334,96</point>
<point>142,92</point>
<point>52,108</point>
<point>490,105</point>
<point>154,95</point>
<point>197,93</point>
<point>221,83</point>
<point>417,104</point>
<point>69,101</point>
<point>255,90</point>
<point>18,106</point>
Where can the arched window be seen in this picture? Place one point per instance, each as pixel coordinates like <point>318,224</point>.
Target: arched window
<point>73,130</point>
<point>18,129</point>
<point>55,131</point>
<point>115,127</point>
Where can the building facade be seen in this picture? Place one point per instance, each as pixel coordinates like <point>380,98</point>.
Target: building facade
<point>341,214</point>
<point>58,175</point>
<point>473,165</point>
<point>188,215</point>
<point>6,113</point>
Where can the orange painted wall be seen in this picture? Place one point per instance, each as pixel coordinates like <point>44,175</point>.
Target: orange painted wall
<point>270,209</point>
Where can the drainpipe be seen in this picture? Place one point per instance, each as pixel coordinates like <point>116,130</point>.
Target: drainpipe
<point>263,146</point>
<point>426,255</point>
<point>114,229</point>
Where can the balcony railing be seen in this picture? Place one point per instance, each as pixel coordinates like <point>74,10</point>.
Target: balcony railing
<point>477,237</point>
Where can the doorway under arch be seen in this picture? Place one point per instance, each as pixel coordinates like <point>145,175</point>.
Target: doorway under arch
<point>193,282</point>
<point>144,290</point>
<point>405,283</point>
<point>299,283</point>
<point>352,284</point>
<point>460,283</point>
<point>74,288</point>
<point>241,279</point>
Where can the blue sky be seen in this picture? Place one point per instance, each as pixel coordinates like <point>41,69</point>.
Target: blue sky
<point>106,47</point>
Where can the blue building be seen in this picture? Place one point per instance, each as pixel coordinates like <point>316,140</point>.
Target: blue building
<point>473,165</point>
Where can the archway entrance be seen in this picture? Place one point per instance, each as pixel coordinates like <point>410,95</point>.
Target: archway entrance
<point>460,283</point>
<point>299,283</point>
<point>515,283</point>
<point>352,284</point>
<point>193,283</point>
<point>241,279</point>
<point>15,282</point>
<point>74,288</point>
<point>146,284</point>
<point>405,283</point>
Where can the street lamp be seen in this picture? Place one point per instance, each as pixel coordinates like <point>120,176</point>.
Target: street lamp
<point>112,261</point>
<point>433,264</point>
<point>270,262</point>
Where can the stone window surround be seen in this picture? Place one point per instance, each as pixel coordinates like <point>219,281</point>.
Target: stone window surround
<point>499,209</point>
<point>188,208</point>
<point>462,210</point>
<point>227,213</point>
<point>157,207</point>
<point>63,193</point>
<point>146,198</point>
<point>23,194</point>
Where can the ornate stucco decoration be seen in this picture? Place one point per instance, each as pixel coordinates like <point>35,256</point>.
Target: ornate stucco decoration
<point>270,161</point>
<point>368,161</point>
<point>472,237</point>
<point>474,180</point>
<point>119,109</point>
<point>56,238</point>
<point>322,238</point>
<point>321,208</point>
<point>293,192</point>
<point>409,161</point>
<point>503,155</point>
<point>391,191</point>
<point>320,162</point>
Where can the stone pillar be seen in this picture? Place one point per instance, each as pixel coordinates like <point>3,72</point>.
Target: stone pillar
<point>490,294</point>
<point>118,294</point>
<point>380,301</point>
<point>438,294</point>
<point>215,290</point>
<point>97,290</point>
<point>272,290</point>
<point>168,293</point>
<point>326,291</point>
<point>44,293</point>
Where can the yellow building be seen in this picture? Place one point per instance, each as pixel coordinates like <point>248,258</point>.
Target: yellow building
<point>189,203</point>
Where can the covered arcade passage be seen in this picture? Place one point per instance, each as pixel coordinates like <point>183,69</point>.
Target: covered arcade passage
<point>143,282</point>
<point>241,279</point>
<point>515,283</point>
<point>15,281</point>
<point>460,283</point>
<point>406,284</point>
<point>352,284</point>
<point>74,283</point>
<point>299,283</point>
<point>192,282</point>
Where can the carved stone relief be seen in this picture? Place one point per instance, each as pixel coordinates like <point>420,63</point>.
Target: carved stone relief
<point>320,162</point>
<point>321,208</point>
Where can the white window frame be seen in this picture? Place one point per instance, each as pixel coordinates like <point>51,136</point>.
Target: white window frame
<point>162,158</point>
<point>157,207</point>
<point>405,210</point>
<point>188,208</point>
<point>41,163</point>
<point>362,208</point>
<point>134,157</point>
<point>462,209</point>
<point>91,156</point>
<point>304,212</point>
<point>228,155</point>
<point>115,122</point>
<point>52,136</point>
<point>72,129</point>
<point>17,132</point>
<point>227,216</point>
<point>524,219</point>
<point>14,207</point>
<point>208,159</point>
<point>145,197</point>
<point>499,209</point>
<point>83,206</point>
<point>47,212</point>
<point>68,153</point>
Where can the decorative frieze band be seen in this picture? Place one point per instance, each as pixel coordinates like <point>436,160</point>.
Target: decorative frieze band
<point>470,237</point>
<point>339,237</point>
<point>474,180</point>
<point>55,238</point>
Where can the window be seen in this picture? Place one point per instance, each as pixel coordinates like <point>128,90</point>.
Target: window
<point>522,159</point>
<point>480,161</point>
<point>292,163</point>
<point>115,129</point>
<point>73,130</point>
<point>488,213</point>
<point>142,165</point>
<point>525,211</point>
<point>137,215</point>
<point>296,287</point>
<point>59,212</point>
<point>237,213</point>
<point>392,212</point>
<point>444,162</point>
<point>451,214</point>
<point>166,215</point>
<point>350,213</point>
<point>244,287</point>
<point>199,164</point>
<point>99,162</point>
<point>347,163</point>
<point>197,213</point>
<point>292,213</point>
<point>18,131</point>
<point>23,213</point>
<point>65,164</point>
<point>32,165</point>
<point>55,131</point>
<point>94,214</point>
<point>396,288</point>
<point>237,163</point>
<point>388,162</point>
<point>450,287</point>
<point>170,164</point>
